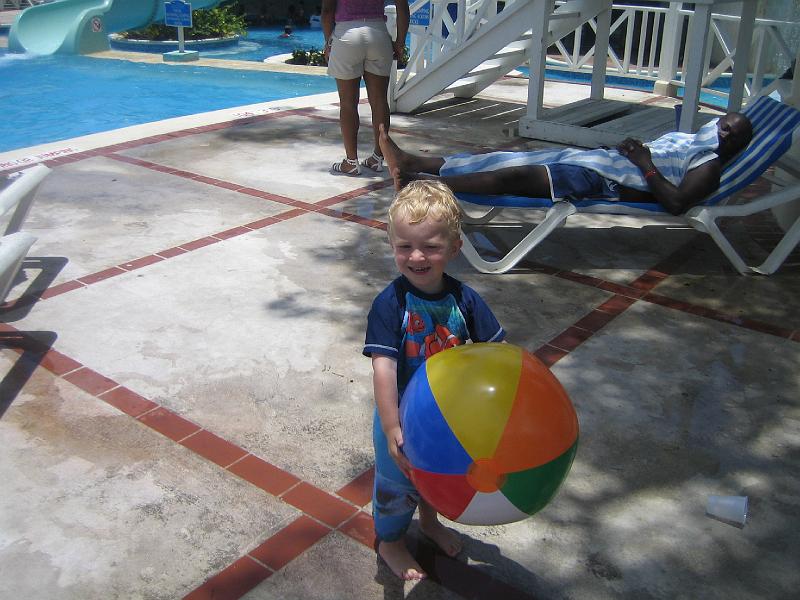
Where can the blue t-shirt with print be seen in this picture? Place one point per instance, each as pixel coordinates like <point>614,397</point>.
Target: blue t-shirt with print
<point>410,326</point>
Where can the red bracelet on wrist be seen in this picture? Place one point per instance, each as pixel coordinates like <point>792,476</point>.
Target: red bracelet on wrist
<point>650,173</point>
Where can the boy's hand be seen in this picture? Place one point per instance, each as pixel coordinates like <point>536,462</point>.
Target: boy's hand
<point>394,437</point>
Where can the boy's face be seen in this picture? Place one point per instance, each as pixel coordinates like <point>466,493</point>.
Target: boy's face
<point>422,251</point>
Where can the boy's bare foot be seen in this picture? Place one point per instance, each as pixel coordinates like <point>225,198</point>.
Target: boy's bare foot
<point>449,541</point>
<point>400,561</point>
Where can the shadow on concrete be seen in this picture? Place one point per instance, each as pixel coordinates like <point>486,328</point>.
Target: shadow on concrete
<point>47,269</point>
<point>31,351</point>
<point>468,581</point>
<point>655,429</point>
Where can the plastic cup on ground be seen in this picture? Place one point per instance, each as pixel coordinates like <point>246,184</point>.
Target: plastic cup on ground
<point>730,509</point>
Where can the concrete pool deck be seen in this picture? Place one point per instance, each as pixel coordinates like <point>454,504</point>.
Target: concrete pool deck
<point>185,411</point>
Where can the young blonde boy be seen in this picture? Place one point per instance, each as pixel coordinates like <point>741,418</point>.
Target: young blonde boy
<point>420,313</point>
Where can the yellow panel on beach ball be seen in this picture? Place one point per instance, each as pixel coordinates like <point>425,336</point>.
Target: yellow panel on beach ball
<point>475,386</point>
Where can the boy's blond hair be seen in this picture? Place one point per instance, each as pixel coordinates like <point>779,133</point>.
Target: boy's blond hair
<point>421,199</point>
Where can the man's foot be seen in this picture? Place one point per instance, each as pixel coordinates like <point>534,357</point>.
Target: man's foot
<point>449,541</point>
<point>399,162</point>
<point>399,560</point>
<point>403,178</point>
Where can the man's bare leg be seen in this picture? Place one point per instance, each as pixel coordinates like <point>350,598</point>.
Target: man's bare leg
<point>448,540</point>
<point>532,181</point>
<point>400,561</point>
<point>407,166</point>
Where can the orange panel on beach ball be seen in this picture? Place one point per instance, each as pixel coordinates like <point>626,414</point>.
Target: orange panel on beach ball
<point>542,412</point>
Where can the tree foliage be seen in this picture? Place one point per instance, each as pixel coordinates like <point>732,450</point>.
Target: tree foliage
<point>222,21</point>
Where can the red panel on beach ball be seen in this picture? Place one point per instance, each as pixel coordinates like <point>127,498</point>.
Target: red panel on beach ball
<point>450,494</point>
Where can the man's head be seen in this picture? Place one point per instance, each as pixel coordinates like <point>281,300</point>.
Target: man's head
<point>425,232</point>
<point>734,131</point>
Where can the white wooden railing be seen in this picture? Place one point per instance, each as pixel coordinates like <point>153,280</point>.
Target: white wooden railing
<point>769,49</point>
<point>640,56</point>
<point>444,34</point>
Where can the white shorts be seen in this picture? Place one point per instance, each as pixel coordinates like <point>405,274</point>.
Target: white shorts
<point>360,46</point>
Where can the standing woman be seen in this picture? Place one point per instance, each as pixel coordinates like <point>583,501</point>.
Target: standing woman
<point>357,44</point>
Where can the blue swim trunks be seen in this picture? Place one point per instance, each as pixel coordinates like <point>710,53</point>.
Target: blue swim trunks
<point>568,182</point>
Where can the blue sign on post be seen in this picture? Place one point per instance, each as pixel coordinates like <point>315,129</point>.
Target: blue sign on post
<point>421,16</point>
<point>177,13</point>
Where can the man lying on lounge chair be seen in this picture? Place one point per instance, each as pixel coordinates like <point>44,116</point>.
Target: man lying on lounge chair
<point>676,170</point>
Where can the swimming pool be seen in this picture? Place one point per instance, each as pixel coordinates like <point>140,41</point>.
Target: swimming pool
<point>259,43</point>
<point>50,98</point>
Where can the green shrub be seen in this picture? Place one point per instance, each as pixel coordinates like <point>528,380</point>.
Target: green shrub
<point>312,57</point>
<point>222,21</point>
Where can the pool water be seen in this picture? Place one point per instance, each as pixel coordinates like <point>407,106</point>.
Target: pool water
<point>50,98</point>
<point>259,43</point>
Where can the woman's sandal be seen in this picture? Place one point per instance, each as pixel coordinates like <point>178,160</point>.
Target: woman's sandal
<point>339,167</point>
<point>374,163</point>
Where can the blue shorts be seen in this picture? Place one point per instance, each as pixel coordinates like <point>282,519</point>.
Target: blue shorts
<point>394,498</point>
<point>568,182</point>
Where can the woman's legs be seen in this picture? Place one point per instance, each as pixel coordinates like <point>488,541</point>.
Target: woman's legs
<point>377,93</point>
<point>348,118</point>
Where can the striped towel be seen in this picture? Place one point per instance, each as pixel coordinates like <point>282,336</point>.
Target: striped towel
<point>674,154</point>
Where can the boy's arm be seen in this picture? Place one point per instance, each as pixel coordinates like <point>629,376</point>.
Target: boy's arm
<point>384,382</point>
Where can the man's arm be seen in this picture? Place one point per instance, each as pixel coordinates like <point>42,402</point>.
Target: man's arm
<point>696,185</point>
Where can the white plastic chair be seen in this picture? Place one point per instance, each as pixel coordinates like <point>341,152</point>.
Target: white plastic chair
<point>16,199</point>
<point>775,128</point>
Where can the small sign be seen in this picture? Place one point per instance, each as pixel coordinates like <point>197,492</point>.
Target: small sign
<point>97,24</point>
<point>177,13</point>
<point>421,16</point>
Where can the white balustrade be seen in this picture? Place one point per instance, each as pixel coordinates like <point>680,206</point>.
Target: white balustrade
<point>648,42</point>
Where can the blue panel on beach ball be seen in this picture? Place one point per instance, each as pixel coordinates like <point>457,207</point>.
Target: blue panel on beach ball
<point>435,447</point>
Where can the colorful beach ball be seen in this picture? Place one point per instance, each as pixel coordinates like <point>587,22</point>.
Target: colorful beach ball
<point>489,431</point>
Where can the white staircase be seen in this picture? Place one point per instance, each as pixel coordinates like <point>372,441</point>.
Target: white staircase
<point>480,45</point>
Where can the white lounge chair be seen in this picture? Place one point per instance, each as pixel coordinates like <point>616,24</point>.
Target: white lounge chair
<point>775,127</point>
<point>16,199</point>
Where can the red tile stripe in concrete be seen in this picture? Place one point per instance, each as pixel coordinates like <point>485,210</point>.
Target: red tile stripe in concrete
<point>625,296</point>
<point>233,582</point>
<point>638,289</point>
<point>138,263</point>
<point>323,512</point>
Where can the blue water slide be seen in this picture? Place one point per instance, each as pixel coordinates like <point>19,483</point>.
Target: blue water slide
<point>83,26</point>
